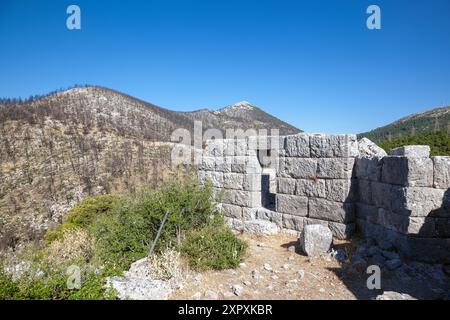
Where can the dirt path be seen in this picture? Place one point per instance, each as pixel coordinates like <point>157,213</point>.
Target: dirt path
<point>283,275</point>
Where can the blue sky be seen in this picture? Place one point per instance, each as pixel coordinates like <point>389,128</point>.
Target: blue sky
<point>311,63</point>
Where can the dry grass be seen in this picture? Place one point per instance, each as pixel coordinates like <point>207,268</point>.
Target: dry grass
<point>166,265</point>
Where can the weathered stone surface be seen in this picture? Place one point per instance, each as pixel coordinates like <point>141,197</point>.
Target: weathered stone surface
<point>292,222</point>
<point>417,201</point>
<point>232,211</point>
<point>311,188</point>
<point>241,198</point>
<point>252,182</point>
<point>330,146</point>
<point>368,168</point>
<point>408,172</point>
<point>441,172</point>
<point>233,180</point>
<point>214,148</point>
<point>247,164</point>
<point>300,168</point>
<point>249,213</point>
<point>216,178</point>
<point>392,295</point>
<point>262,227</point>
<point>341,230</point>
<point>331,211</point>
<point>364,191</point>
<point>368,148</point>
<point>335,168</point>
<point>365,211</point>
<point>272,216</point>
<point>207,163</point>
<point>223,164</point>
<point>342,190</point>
<point>412,151</point>
<point>286,185</point>
<point>315,239</point>
<point>295,205</point>
<point>310,221</point>
<point>297,146</point>
<point>418,226</point>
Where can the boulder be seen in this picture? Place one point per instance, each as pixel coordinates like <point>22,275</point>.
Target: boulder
<point>412,151</point>
<point>315,239</point>
<point>368,148</point>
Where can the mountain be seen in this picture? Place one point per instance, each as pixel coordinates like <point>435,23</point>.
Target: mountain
<point>59,148</point>
<point>432,120</point>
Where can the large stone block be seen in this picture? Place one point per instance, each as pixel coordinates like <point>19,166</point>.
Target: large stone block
<point>418,201</point>
<point>232,211</point>
<point>247,199</point>
<point>441,172</point>
<point>315,239</point>
<point>342,230</point>
<point>214,148</point>
<point>216,178</point>
<point>294,205</point>
<point>335,168</point>
<point>365,211</point>
<point>272,216</point>
<point>387,196</point>
<point>233,180</point>
<point>292,222</point>
<point>412,151</point>
<point>364,191</point>
<point>408,172</point>
<point>341,190</point>
<point>311,188</point>
<point>207,163</point>
<point>414,226</point>
<point>297,146</point>
<point>331,146</point>
<point>299,168</point>
<point>223,163</point>
<point>286,185</point>
<point>370,149</point>
<point>368,168</point>
<point>247,164</point>
<point>331,211</point>
<point>252,182</point>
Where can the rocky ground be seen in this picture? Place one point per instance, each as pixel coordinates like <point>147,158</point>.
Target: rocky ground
<point>273,270</point>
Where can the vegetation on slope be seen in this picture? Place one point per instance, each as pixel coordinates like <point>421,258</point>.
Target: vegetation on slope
<point>439,142</point>
<point>103,235</point>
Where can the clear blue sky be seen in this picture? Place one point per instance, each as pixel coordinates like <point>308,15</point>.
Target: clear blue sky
<point>311,63</point>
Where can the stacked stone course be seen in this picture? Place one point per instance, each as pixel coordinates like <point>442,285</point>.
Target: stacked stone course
<point>402,199</point>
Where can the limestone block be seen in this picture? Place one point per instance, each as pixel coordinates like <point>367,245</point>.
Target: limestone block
<point>252,182</point>
<point>247,198</point>
<point>272,216</point>
<point>412,151</point>
<point>311,188</point>
<point>364,191</point>
<point>417,226</point>
<point>418,201</point>
<point>223,163</point>
<point>341,230</point>
<point>335,168</point>
<point>214,148</point>
<point>441,172</point>
<point>247,164</point>
<point>331,211</point>
<point>216,178</point>
<point>249,213</point>
<point>365,211</point>
<point>232,211</point>
<point>382,194</point>
<point>297,146</point>
<point>412,172</point>
<point>442,227</point>
<point>299,168</point>
<point>342,190</point>
<point>286,185</point>
<point>370,149</point>
<point>207,163</point>
<point>310,221</point>
<point>233,180</point>
<point>368,168</point>
<point>292,222</point>
<point>294,205</point>
<point>331,146</point>
<point>201,175</point>
<point>315,239</point>
<point>260,227</point>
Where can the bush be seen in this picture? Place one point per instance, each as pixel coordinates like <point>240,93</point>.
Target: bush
<point>126,234</point>
<point>213,247</point>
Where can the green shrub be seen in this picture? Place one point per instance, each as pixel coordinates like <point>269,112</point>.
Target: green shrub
<point>126,234</point>
<point>213,247</point>
<point>83,214</point>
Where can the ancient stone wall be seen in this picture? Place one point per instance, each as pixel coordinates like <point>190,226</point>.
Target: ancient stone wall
<point>264,184</point>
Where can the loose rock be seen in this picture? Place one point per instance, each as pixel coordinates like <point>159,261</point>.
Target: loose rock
<point>315,239</point>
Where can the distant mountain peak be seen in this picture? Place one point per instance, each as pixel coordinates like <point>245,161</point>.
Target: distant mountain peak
<point>242,105</point>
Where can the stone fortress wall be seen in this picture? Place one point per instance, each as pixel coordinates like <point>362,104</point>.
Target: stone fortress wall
<point>265,184</point>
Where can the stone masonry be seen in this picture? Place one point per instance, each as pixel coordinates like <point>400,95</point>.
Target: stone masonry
<point>272,183</point>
